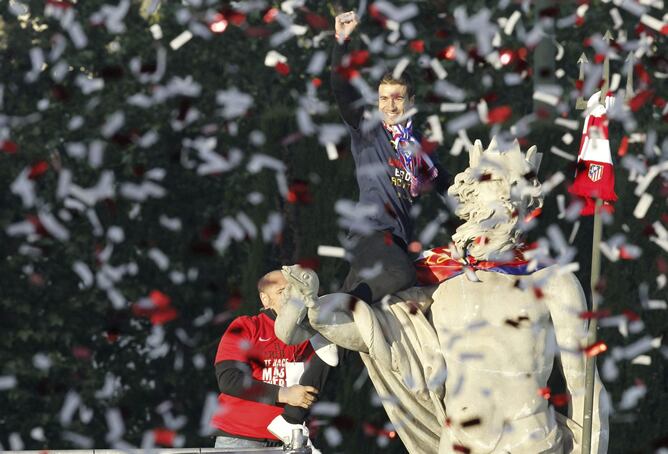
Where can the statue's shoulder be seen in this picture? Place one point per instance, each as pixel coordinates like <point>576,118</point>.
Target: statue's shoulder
<point>560,287</point>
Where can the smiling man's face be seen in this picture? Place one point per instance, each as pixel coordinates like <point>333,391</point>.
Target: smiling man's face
<point>393,102</point>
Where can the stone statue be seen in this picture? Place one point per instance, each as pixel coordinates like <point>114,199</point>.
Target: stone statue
<point>462,365</point>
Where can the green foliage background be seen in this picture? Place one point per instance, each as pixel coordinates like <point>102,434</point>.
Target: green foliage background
<point>47,311</point>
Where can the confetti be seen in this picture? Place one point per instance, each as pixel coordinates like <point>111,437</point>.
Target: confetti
<point>562,154</point>
<point>7,382</point>
<point>157,167</point>
<point>642,206</point>
<point>596,349</point>
<point>156,31</point>
<point>331,251</point>
<point>438,69</point>
<point>180,40</point>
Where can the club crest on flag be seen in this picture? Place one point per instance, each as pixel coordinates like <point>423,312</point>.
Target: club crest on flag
<point>595,172</point>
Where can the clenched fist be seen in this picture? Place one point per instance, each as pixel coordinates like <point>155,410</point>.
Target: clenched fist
<point>297,396</point>
<point>345,23</point>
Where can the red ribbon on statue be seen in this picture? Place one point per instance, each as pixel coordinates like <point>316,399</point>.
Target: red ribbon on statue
<point>594,176</point>
<point>438,264</point>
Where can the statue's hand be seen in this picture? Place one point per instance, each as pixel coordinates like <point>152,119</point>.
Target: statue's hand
<point>303,280</point>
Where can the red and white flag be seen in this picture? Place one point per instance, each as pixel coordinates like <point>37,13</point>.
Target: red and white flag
<point>595,176</point>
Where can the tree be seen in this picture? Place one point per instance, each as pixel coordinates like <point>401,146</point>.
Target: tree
<point>156,162</point>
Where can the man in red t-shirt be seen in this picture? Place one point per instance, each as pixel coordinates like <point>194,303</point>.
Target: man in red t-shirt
<point>261,400</point>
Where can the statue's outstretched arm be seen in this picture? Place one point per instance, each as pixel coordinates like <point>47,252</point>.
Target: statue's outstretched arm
<point>332,316</point>
<point>566,301</point>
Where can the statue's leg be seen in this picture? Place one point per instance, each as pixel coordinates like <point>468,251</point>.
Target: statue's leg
<point>331,315</point>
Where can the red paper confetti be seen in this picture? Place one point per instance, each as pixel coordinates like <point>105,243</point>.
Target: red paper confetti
<point>270,15</point>
<point>595,349</point>
<point>112,335</point>
<point>347,72</point>
<point>499,114</point>
<point>538,292</point>
<point>359,57</point>
<point>162,316</point>
<point>638,100</point>
<point>533,214</point>
<point>544,392</point>
<point>312,263</point>
<point>9,147</point>
<point>625,254</point>
<point>630,315</point>
<point>81,352</point>
<point>160,310</point>
<point>642,74</point>
<point>448,53</point>
<point>377,15</point>
<point>282,68</point>
<point>316,21</point>
<point>372,431</point>
<point>417,45</point>
<point>623,146</point>
<point>159,299</point>
<point>560,400</point>
<point>415,247</point>
<point>39,227</point>
<point>506,57</point>
<point>235,17</point>
<point>38,169</point>
<point>164,437</point>
<point>299,193</point>
<point>218,24</point>
<point>588,315</point>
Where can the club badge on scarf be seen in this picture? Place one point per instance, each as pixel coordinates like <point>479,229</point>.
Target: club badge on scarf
<point>418,164</point>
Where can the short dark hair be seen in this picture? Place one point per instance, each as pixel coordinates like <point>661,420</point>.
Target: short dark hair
<point>404,79</point>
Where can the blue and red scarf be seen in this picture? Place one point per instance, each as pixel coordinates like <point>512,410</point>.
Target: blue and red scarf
<point>417,163</point>
<point>438,265</point>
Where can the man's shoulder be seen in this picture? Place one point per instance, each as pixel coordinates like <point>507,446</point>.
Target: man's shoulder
<point>245,322</point>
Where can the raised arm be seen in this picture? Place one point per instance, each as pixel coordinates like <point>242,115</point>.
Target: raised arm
<point>347,97</point>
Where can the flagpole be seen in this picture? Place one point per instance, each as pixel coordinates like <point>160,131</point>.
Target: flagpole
<point>590,366</point>
<point>591,333</point>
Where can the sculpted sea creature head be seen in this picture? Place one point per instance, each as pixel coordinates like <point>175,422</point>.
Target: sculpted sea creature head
<point>304,280</point>
<point>494,194</point>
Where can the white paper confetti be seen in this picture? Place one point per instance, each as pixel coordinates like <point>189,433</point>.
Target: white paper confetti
<point>180,40</point>
<point>331,251</point>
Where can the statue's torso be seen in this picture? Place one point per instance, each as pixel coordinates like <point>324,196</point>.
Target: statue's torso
<point>498,344</point>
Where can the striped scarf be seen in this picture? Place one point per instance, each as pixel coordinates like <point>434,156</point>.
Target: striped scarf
<point>438,265</point>
<point>418,164</point>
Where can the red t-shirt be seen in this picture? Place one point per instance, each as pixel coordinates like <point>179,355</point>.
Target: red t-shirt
<point>251,339</point>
